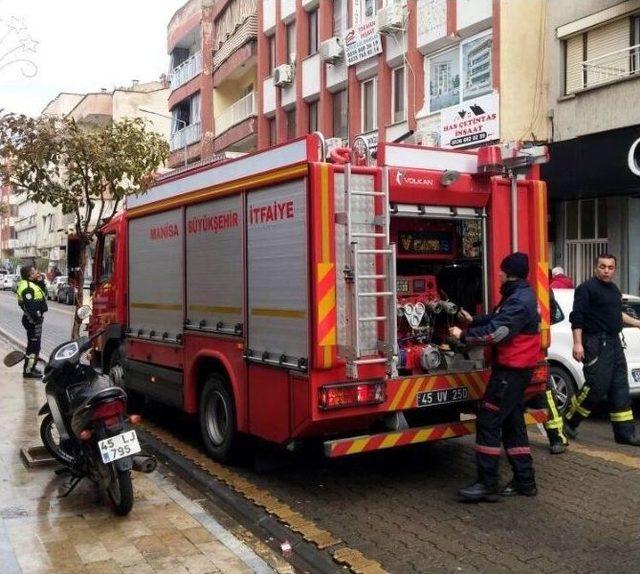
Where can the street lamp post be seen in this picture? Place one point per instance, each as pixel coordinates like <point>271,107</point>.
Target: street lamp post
<point>172,118</point>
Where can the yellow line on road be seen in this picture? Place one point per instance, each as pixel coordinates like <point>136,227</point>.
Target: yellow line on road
<point>602,454</point>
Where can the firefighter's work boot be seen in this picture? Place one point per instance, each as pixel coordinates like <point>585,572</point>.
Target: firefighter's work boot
<point>557,448</point>
<point>479,492</point>
<point>631,441</point>
<point>513,489</point>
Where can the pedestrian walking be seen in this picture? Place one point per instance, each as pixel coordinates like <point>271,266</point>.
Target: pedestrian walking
<point>31,292</point>
<point>559,280</point>
<point>596,322</point>
<point>513,329</point>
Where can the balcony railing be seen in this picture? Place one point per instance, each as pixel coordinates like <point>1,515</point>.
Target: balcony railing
<point>186,136</point>
<point>188,69</point>
<point>237,112</point>
<point>610,67</point>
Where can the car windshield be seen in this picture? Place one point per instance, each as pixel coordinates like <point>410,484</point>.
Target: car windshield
<point>631,308</point>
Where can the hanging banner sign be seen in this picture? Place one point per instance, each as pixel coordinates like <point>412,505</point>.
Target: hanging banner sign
<point>474,122</point>
<point>362,42</point>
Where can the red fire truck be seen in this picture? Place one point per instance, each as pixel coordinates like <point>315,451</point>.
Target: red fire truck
<point>286,295</point>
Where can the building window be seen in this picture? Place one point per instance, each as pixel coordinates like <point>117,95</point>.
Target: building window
<point>600,55</point>
<point>313,32</point>
<point>472,59</point>
<point>273,136</point>
<point>340,17</point>
<point>586,219</point>
<point>291,42</point>
<point>313,117</point>
<point>340,113</point>
<point>369,101</point>
<point>272,54</point>
<point>291,123</point>
<point>398,95</point>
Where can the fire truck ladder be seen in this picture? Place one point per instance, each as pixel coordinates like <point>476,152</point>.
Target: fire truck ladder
<point>370,275</point>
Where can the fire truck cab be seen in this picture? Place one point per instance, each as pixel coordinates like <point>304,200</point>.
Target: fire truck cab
<point>284,296</point>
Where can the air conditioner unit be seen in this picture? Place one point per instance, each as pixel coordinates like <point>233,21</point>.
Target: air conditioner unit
<point>331,50</point>
<point>283,75</point>
<point>390,19</point>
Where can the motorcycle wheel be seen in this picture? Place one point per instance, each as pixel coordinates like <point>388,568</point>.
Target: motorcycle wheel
<point>120,490</point>
<point>51,441</point>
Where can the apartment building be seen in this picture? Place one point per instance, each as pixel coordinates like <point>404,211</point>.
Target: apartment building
<point>454,73</point>
<point>235,56</point>
<point>8,217</point>
<point>593,178</point>
<point>190,100</point>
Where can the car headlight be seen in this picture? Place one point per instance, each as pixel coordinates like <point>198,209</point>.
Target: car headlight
<point>66,352</point>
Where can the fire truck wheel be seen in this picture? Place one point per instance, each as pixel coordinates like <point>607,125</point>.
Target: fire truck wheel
<point>135,402</point>
<point>218,418</point>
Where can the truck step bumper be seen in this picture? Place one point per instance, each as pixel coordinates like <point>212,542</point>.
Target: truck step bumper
<point>367,443</point>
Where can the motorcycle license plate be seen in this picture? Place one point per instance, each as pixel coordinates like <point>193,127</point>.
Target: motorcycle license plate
<point>119,446</point>
<point>635,373</point>
<point>431,398</point>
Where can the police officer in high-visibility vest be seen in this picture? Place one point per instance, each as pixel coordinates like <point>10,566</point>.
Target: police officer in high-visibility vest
<point>32,299</point>
<point>596,321</point>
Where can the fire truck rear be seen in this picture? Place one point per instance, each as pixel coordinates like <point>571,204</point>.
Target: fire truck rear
<point>285,296</point>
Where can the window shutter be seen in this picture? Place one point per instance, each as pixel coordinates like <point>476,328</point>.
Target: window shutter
<point>573,71</point>
<point>601,42</point>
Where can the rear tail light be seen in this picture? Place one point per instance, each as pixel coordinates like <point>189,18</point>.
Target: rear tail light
<point>109,413</point>
<point>352,394</point>
<point>135,419</point>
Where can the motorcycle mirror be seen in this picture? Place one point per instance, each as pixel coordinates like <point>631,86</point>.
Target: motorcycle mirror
<point>83,312</point>
<point>13,358</point>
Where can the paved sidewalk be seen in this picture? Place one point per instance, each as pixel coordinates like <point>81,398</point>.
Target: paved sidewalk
<point>167,531</point>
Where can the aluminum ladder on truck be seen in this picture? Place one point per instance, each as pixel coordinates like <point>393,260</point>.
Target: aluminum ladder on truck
<point>370,276</point>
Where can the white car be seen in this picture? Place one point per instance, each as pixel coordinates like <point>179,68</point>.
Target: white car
<point>9,281</point>
<point>565,372</point>
<point>52,287</point>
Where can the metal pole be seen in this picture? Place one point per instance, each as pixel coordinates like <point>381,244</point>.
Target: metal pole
<point>485,263</point>
<point>514,211</point>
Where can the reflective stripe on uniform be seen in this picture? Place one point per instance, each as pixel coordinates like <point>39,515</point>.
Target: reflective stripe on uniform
<point>575,407</point>
<point>621,417</point>
<point>555,420</point>
<point>490,450</point>
<point>38,294</point>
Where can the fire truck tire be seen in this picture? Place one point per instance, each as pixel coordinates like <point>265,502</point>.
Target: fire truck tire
<point>116,373</point>
<point>218,419</point>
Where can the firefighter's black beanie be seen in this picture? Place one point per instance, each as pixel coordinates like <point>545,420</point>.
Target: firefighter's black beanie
<point>516,265</point>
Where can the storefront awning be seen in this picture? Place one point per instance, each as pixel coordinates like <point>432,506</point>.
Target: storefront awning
<point>595,165</point>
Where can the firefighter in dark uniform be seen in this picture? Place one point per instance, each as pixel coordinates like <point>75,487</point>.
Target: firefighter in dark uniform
<point>33,302</point>
<point>596,321</point>
<point>514,330</point>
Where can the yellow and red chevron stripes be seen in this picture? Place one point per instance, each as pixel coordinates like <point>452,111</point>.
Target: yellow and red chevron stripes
<point>326,311</point>
<point>402,393</point>
<point>367,443</point>
<point>324,292</point>
<point>344,447</point>
<point>541,252</point>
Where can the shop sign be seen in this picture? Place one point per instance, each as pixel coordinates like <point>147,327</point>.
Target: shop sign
<point>632,158</point>
<point>473,122</point>
<point>362,42</point>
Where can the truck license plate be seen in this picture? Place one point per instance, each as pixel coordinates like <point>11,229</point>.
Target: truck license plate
<point>119,446</point>
<point>431,398</point>
<point>635,373</point>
